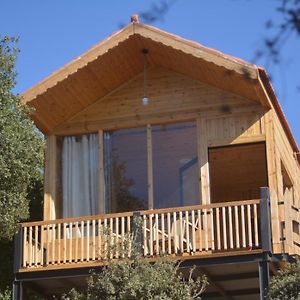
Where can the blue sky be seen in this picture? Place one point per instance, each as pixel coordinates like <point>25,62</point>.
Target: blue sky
<point>54,32</point>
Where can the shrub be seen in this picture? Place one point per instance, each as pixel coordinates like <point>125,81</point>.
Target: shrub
<point>286,285</point>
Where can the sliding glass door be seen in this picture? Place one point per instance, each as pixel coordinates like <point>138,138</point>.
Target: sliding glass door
<point>170,151</point>
<point>125,153</point>
<point>175,165</point>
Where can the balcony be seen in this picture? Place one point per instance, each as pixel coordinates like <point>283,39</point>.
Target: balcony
<point>217,229</point>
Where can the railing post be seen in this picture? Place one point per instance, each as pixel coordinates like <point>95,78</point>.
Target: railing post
<point>17,291</point>
<point>264,278</point>
<point>265,220</point>
<point>18,250</point>
<point>137,231</point>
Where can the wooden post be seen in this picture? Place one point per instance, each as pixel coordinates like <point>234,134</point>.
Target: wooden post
<point>203,160</point>
<point>272,178</point>
<point>150,167</point>
<point>288,223</point>
<point>18,250</point>
<point>17,290</point>
<point>265,220</point>
<point>101,182</point>
<point>50,178</point>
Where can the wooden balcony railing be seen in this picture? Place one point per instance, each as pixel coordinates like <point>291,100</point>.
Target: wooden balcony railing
<point>181,231</point>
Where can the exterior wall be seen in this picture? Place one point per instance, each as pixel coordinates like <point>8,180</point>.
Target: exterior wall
<point>289,205</point>
<point>172,97</point>
<point>222,118</point>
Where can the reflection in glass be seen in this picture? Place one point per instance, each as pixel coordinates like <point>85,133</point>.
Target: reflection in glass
<point>175,171</point>
<point>126,170</point>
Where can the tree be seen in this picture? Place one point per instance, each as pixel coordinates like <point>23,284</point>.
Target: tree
<point>282,30</point>
<point>21,159</point>
<point>137,278</point>
<point>286,285</point>
<point>20,146</point>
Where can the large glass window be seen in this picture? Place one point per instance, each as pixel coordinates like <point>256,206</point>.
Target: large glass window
<point>126,170</point>
<point>175,165</point>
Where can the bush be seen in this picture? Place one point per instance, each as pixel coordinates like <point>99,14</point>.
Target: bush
<point>286,285</point>
<point>136,277</point>
<point>5,295</point>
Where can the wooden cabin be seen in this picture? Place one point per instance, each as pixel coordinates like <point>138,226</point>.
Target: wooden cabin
<point>191,140</point>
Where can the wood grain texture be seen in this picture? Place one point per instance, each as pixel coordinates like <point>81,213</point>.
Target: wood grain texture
<point>50,177</point>
<point>172,97</point>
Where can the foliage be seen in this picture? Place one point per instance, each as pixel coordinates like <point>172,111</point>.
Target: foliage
<point>20,146</point>
<point>122,197</point>
<point>5,295</point>
<point>136,277</point>
<point>286,285</point>
<point>20,160</point>
<point>280,31</point>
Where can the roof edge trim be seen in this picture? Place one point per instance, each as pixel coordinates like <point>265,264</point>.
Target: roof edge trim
<point>287,129</point>
<point>77,63</point>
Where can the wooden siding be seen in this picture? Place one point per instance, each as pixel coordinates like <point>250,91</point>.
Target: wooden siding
<point>50,185</point>
<point>289,203</point>
<point>119,58</point>
<point>172,97</point>
<point>241,127</point>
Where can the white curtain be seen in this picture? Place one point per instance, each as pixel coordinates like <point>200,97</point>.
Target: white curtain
<point>80,175</point>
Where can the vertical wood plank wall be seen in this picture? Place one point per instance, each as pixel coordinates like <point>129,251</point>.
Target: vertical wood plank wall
<point>241,121</point>
<point>289,211</point>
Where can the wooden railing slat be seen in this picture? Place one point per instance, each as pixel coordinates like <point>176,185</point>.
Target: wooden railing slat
<point>200,229</point>
<point>243,226</point>
<point>230,227</point>
<point>218,228</point>
<point>237,229</point>
<point>169,233</point>
<point>249,225</point>
<point>224,228</point>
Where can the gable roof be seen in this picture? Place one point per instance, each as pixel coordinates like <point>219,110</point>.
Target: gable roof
<point>118,58</point>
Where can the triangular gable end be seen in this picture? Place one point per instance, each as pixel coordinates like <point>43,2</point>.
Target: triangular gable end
<point>117,59</point>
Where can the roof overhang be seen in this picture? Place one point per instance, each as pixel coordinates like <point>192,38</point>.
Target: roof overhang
<point>117,59</point>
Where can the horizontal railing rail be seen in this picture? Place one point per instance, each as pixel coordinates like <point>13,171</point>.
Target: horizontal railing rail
<point>189,230</point>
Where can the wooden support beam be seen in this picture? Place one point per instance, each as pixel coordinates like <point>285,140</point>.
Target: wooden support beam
<point>150,167</point>
<point>236,141</point>
<point>50,187</point>
<point>264,279</point>
<point>101,182</point>
<point>288,227</point>
<point>203,160</point>
<point>265,222</point>
<point>272,178</point>
<point>233,277</point>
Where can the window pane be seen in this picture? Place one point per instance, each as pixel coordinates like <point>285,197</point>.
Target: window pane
<point>175,171</point>
<point>126,170</point>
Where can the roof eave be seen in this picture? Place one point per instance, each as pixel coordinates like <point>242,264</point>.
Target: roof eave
<point>272,96</point>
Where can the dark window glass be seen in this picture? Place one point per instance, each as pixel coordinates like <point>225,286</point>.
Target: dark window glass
<point>175,165</point>
<point>126,170</point>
